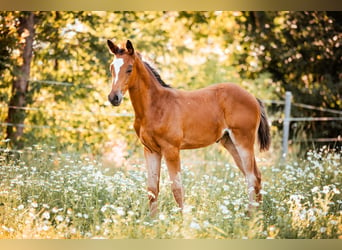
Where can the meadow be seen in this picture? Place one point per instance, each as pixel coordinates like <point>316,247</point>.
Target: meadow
<point>47,194</point>
<point>72,166</point>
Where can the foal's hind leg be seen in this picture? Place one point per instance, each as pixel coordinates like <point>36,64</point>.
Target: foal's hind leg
<point>229,145</point>
<point>240,145</point>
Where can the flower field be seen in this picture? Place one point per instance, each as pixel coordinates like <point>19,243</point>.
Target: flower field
<point>45,194</point>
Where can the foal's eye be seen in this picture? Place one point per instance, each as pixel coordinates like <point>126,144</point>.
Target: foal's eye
<point>129,69</point>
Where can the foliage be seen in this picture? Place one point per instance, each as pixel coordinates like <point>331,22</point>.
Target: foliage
<point>67,95</point>
<point>301,51</point>
<point>6,44</point>
<point>70,50</point>
<point>47,194</point>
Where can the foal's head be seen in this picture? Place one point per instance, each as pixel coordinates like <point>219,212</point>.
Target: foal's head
<point>121,69</point>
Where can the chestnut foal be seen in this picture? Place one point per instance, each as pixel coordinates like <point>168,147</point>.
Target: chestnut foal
<point>168,120</point>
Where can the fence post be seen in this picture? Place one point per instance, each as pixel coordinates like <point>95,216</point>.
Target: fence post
<point>286,126</point>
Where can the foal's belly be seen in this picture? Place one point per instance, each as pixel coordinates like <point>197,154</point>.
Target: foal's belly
<point>193,145</point>
<point>202,125</point>
<point>198,137</point>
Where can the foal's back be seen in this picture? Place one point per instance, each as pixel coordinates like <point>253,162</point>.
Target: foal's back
<point>203,115</point>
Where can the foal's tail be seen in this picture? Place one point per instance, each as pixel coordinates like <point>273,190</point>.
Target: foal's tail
<point>264,129</point>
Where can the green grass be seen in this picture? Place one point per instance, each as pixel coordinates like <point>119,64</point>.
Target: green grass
<point>48,194</point>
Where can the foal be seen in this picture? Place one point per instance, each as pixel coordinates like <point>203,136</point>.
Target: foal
<point>168,120</point>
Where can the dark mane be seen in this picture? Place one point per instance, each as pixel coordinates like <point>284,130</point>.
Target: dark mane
<point>156,75</point>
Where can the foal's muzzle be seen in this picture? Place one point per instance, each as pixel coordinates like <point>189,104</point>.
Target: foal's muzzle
<point>115,99</point>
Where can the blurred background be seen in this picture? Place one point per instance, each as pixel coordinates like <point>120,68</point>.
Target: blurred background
<point>55,78</point>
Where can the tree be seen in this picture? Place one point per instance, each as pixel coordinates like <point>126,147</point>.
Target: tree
<point>16,116</point>
<point>302,52</point>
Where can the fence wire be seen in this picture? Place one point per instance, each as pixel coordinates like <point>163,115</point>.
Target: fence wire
<point>100,113</point>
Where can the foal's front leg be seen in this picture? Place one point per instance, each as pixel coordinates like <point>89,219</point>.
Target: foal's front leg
<point>172,159</point>
<point>153,162</point>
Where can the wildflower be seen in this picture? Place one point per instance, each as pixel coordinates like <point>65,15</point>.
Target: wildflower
<point>311,176</point>
<point>32,214</point>
<point>302,215</point>
<point>176,209</point>
<point>46,206</point>
<point>326,189</point>
<point>237,202</point>
<point>34,204</point>
<point>195,225</point>
<point>226,202</point>
<point>187,209</point>
<point>120,211</point>
<point>8,229</point>
<point>131,213</point>
<point>333,222</point>
<point>107,221</point>
<point>54,210</point>
<point>59,218</point>
<point>46,215</point>
<point>296,197</point>
<point>224,209</point>
<point>69,211</point>
<point>282,209</point>
<point>106,231</point>
<point>272,228</point>
<point>104,208</point>
<point>263,192</point>
<point>254,203</point>
<point>161,217</point>
<point>312,218</point>
<point>323,229</point>
<point>315,189</point>
<point>88,235</point>
<point>20,207</point>
<point>336,191</point>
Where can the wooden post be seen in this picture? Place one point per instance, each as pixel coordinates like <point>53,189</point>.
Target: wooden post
<point>286,126</point>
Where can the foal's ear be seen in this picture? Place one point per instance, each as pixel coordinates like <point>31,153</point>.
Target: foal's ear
<point>112,47</point>
<point>129,47</point>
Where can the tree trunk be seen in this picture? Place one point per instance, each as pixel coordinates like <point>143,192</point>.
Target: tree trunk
<point>16,113</point>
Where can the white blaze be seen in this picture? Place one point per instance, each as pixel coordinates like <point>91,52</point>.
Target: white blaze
<point>118,62</point>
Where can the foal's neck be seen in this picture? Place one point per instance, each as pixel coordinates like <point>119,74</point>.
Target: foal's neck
<point>145,89</point>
